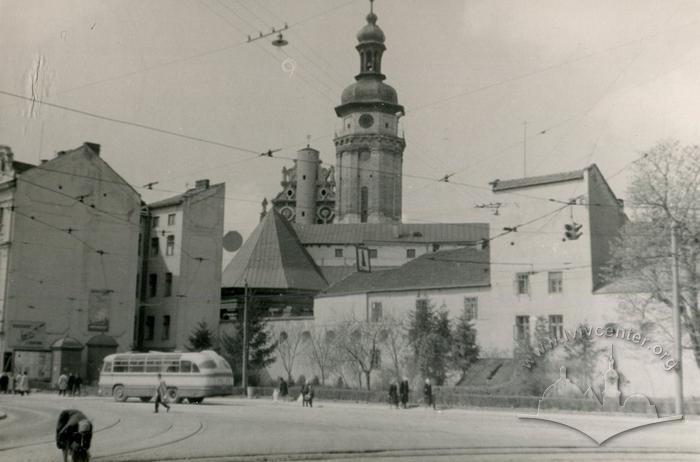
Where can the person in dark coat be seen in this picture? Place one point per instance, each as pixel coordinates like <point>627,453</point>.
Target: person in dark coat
<point>71,384</point>
<point>4,382</point>
<point>77,384</point>
<point>403,392</point>
<point>284,389</point>
<point>428,394</point>
<point>393,395</point>
<point>74,434</point>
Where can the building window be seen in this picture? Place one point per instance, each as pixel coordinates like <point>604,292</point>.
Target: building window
<point>376,314</point>
<point>436,247</point>
<point>522,284</point>
<point>522,328</point>
<point>338,253</point>
<point>410,253</point>
<point>168,284</point>
<point>154,246</point>
<point>165,335</point>
<point>372,253</point>
<point>140,243</point>
<point>364,202</point>
<point>150,327</point>
<point>2,218</point>
<point>152,285</point>
<point>171,219</point>
<point>155,221</point>
<point>471,308</point>
<point>422,304</point>
<point>170,245</point>
<point>556,282</point>
<point>556,325</point>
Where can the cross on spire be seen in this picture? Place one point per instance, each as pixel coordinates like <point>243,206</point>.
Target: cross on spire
<point>371,6</point>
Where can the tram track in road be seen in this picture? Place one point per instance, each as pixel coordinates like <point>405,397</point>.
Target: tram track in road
<point>53,440</point>
<point>553,453</point>
<point>161,444</point>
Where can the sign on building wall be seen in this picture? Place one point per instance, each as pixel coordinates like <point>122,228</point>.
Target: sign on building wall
<point>36,364</point>
<point>27,334</point>
<point>98,310</point>
<point>363,259</point>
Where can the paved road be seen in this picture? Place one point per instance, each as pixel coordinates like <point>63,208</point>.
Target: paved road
<point>237,429</point>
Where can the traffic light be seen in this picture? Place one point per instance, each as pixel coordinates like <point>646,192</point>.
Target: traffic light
<point>573,231</point>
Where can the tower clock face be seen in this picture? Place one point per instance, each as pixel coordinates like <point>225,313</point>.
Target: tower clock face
<point>366,120</point>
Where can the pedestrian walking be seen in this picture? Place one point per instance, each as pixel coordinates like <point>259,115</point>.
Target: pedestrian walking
<point>161,394</point>
<point>306,395</point>
<point>62,384</point>
<point>4,382</point>
<point>11,384</point>
<point>428,394</point>
<point>71,383</point>
<point>77,384</point>
<point>403,392</point>
<point>393,395</point>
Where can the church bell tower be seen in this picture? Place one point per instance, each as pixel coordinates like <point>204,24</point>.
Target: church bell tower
<point>369,151</point>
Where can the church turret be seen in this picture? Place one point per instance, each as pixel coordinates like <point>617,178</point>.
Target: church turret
<point>369,151</point>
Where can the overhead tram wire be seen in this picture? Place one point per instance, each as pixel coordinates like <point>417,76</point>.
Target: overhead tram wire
<point>250,25</point>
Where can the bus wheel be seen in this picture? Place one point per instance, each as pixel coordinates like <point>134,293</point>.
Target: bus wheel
<point>174,396</point>
<point>195,400</point>
<point>145,399</point>
<point>119,393</point>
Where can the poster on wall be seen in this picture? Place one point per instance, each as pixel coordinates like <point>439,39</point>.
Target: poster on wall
<point>27,334</point>
<point>98,310</point>
<point>36,364</point>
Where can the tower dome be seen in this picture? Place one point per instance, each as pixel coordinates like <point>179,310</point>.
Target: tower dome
<point>371,32</point>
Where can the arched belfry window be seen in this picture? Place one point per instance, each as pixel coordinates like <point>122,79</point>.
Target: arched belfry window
<point>364,199</point>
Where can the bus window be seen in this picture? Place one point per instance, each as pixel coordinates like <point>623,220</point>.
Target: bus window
<point>107,366</point>
<point>120,365</point>
<point>195,368</point>
<point>153,365</point>
<point>224,364</point>
<point>171,366</point>
<point>208,364</point>
<point>185,366</point>
<point>136,365</point>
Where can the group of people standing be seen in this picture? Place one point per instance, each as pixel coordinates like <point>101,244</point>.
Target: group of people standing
<point>69,384</point>
<point>399,393</point>
<point>18,384</point>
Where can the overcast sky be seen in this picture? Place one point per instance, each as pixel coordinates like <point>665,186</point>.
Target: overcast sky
<point>596,81</point>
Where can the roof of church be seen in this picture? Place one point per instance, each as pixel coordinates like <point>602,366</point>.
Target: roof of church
<point>463,267</point>
<point>517,183</point>
<point>409,233</point>
<point>272,257</point>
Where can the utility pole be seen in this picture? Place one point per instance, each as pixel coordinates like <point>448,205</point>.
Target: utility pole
<point>525,149</point>
<point>244,371</point>
<point>677,321</point>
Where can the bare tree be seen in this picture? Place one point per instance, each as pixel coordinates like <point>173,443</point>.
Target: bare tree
<point>289,344</point>
<point>322,351</point>
<point>396,342</point>
<point>358,342</point>
<point>664,190</point>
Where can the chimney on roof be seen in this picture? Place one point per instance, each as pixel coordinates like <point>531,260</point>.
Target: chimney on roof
<point>201,184</point>
<point>94,147</point>
<point>43,161</point>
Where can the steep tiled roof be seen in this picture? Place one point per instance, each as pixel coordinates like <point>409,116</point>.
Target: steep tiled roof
<point>463,267</point>
<point>518,183</point>
<point>359,233</point>
<point>272,257</point>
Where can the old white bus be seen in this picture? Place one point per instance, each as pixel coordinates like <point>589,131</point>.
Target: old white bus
<point>191,376</point>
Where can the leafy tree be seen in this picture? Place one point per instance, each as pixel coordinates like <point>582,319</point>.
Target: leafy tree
<point>202,338</point>
<point>581,357</point>
<point>396,345</point>
<point>664,190</point>
<point>464,350</point>
<point>429,336</point>
<point>261,344</point>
